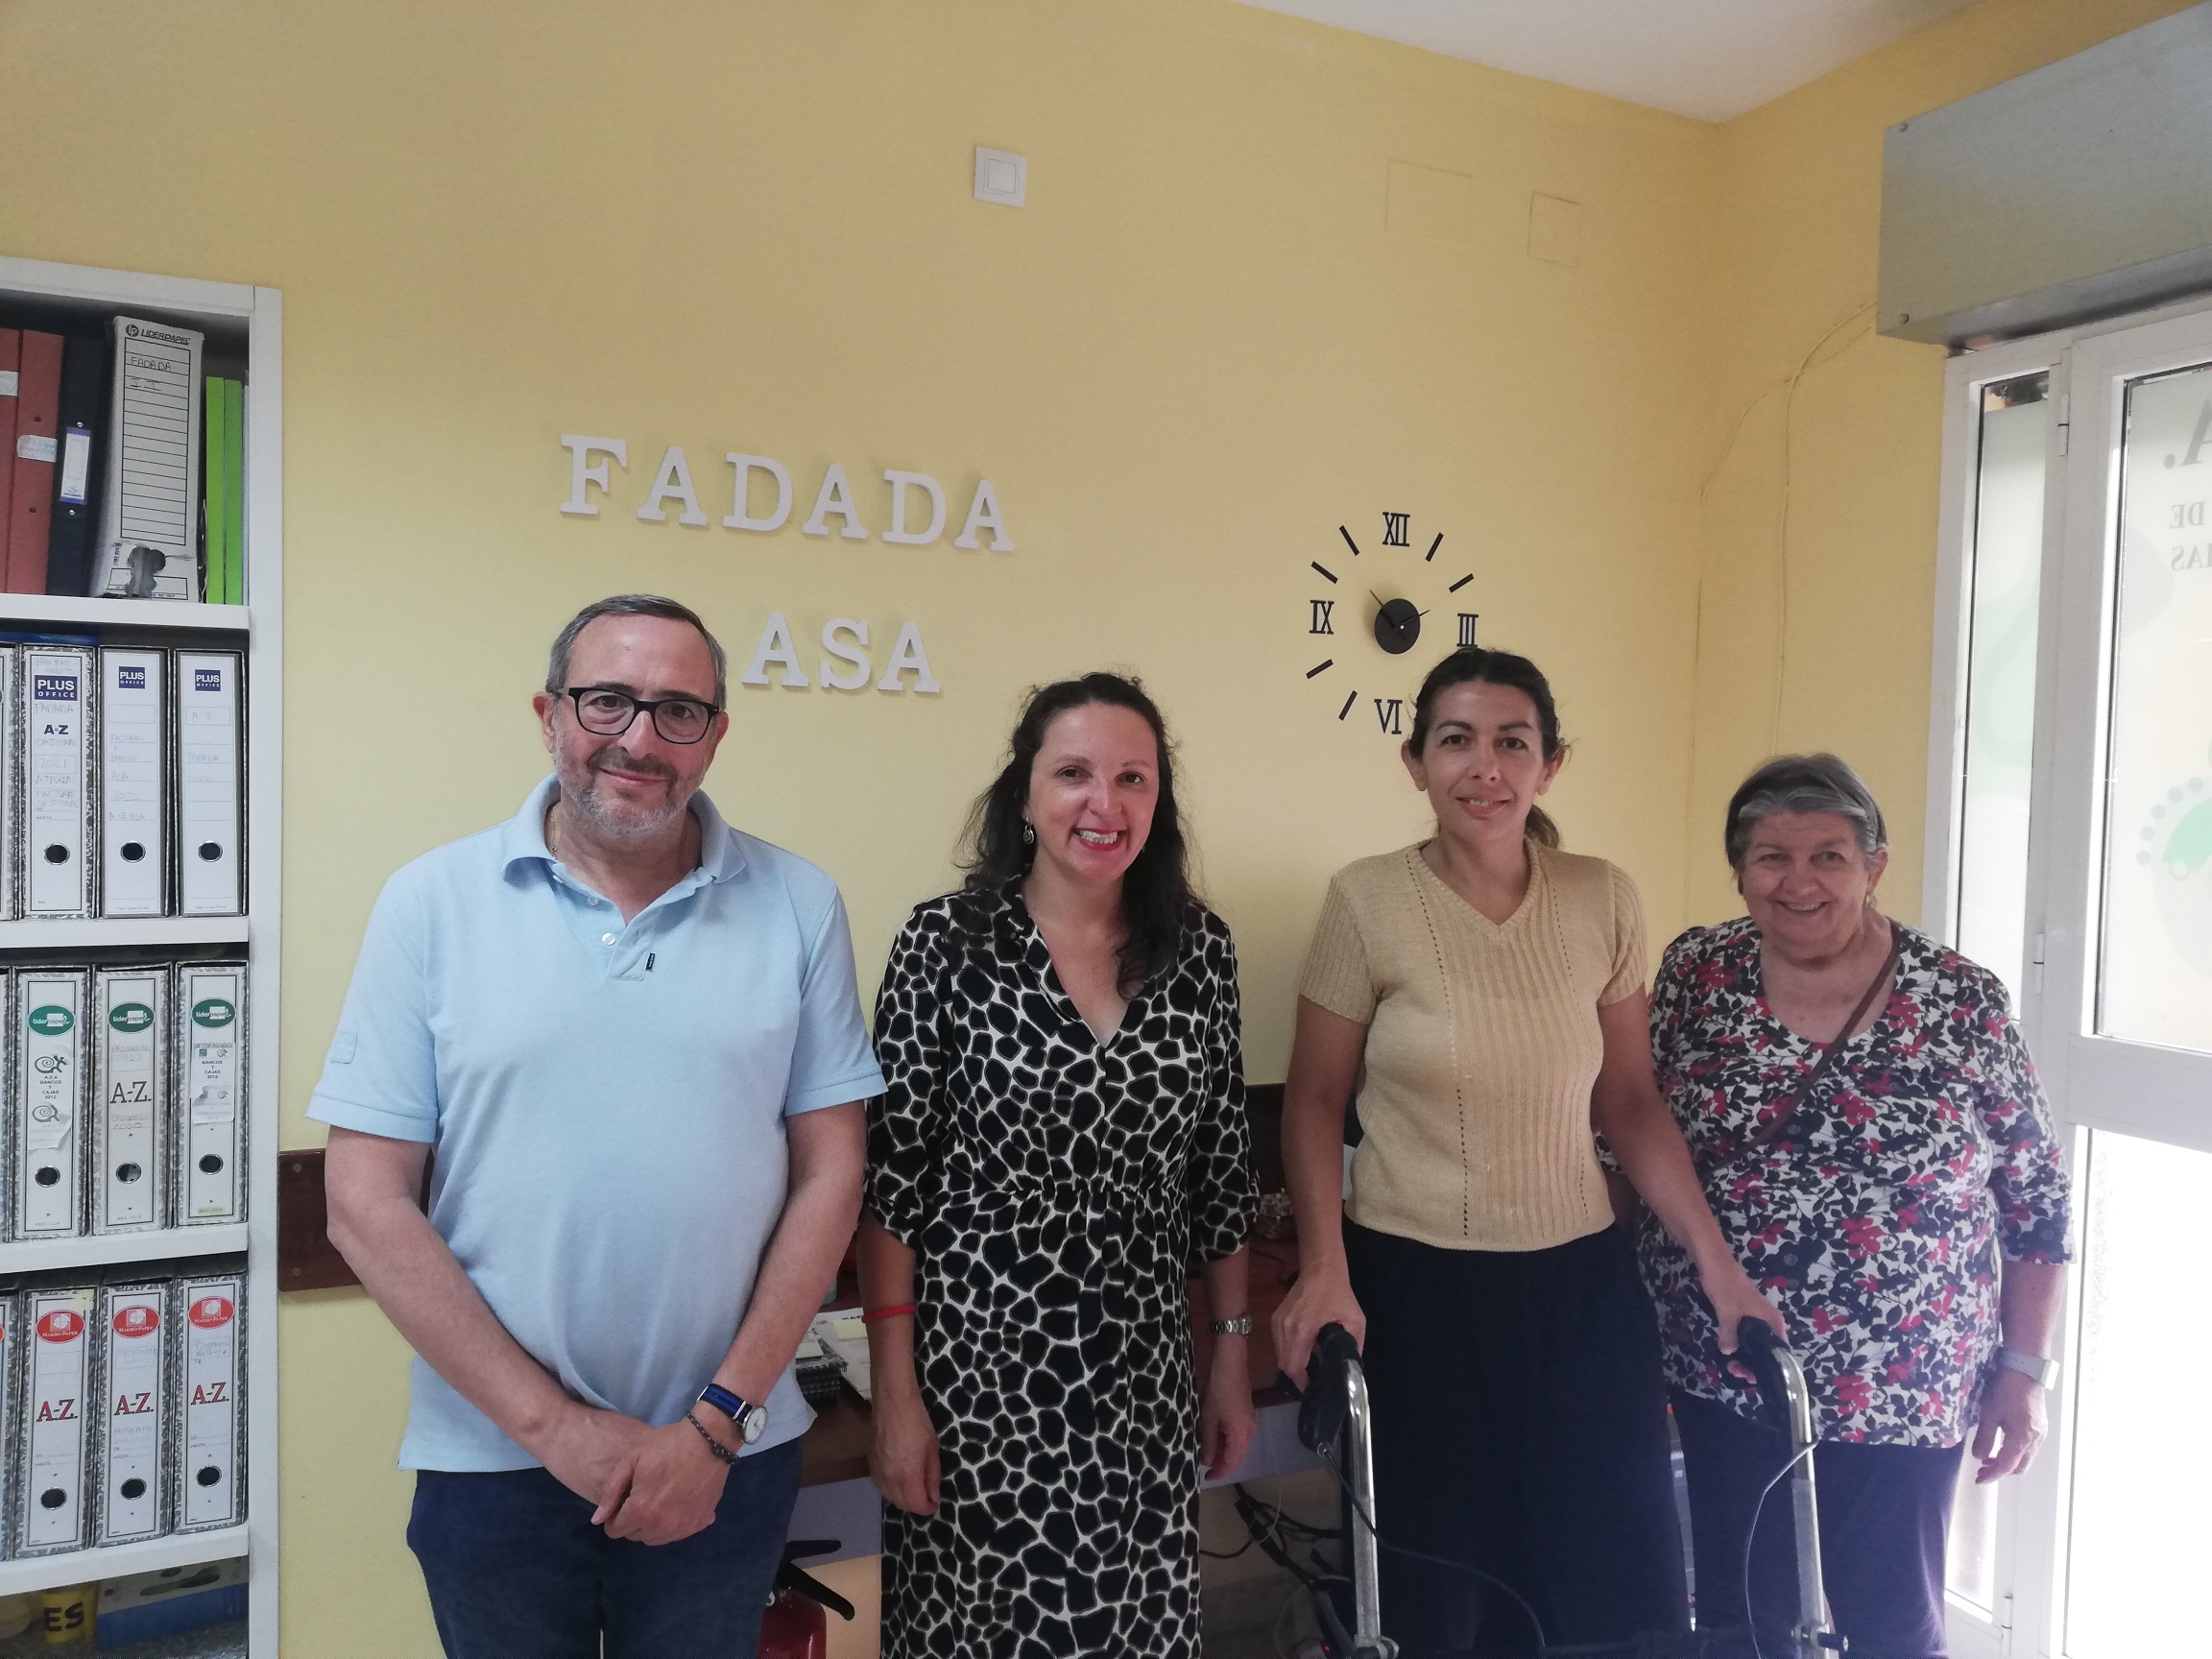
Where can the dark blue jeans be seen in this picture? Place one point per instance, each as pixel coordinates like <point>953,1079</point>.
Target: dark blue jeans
<point>516,1571</point>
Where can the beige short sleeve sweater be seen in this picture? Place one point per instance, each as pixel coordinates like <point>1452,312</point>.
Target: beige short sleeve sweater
<point>1482,1045</point>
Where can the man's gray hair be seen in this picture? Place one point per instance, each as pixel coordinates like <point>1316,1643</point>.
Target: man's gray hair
<point>634,605</point>
<point>1804,783</point>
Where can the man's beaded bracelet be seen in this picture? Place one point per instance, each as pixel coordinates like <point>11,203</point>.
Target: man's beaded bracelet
<point>712,1445</point>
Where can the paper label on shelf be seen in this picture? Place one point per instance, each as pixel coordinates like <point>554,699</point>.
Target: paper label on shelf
<point>8,380</point>
<point>37,446</point>
<point>76,463</point>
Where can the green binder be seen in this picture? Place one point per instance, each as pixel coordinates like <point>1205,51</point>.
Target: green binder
<point>214,483</point>
<point>235,493</point>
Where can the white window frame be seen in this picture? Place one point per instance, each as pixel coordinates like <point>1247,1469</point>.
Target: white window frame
<point>2065,830</point>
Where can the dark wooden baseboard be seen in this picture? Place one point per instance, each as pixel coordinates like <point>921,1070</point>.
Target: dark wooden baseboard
<point>308,1260</point>
<point>305,1258</point>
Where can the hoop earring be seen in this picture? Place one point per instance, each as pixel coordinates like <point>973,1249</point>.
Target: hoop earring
<point>1028,834</point>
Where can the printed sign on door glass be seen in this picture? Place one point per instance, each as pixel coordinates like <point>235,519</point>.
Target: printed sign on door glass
<point>2155,967</point>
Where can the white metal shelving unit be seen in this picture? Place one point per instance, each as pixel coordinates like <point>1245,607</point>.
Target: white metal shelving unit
<point>234,315</point>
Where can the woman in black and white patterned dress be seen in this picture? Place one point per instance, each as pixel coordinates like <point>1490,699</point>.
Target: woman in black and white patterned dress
<point>1062,1143</point>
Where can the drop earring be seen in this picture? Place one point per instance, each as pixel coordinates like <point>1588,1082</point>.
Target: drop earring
<point>1028,834</point>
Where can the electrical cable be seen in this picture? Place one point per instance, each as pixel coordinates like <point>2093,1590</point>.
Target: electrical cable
<point>1544,1648</point>
<point>1751,1613</point>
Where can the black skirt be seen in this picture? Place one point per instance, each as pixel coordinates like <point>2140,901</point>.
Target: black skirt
<point>1521,1431</point>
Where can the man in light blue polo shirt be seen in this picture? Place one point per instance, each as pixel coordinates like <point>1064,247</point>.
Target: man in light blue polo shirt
<point>633,1037</point>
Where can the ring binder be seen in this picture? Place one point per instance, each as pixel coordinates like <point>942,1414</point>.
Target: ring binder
<point>210,807</point>
<point>134,782</point>
<point>54,704</point>
<point>47,1131</point>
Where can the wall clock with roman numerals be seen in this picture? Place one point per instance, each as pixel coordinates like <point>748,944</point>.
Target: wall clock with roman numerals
<point>1372,603</point>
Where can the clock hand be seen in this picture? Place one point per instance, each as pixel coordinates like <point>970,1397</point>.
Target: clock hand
<point>1384,604</point>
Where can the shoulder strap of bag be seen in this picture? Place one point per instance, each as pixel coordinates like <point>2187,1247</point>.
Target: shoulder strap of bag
<point>1834,1052</point>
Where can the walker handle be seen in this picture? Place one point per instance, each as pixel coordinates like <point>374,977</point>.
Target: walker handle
<point>1322,1405</point>
<point>1756,1345</point>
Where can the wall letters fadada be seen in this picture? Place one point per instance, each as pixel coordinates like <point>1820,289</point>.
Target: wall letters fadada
<point>673,485</point>
<point>917,514</point>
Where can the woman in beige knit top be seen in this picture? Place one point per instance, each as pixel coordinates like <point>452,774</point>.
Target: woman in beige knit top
<point>1484,994</point>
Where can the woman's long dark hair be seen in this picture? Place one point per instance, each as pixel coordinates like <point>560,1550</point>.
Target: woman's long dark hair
<point>1156,894</point>
<point>1478,665</point>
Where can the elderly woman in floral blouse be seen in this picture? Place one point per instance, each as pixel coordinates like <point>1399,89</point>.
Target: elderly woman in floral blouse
<point>1908,1214</point>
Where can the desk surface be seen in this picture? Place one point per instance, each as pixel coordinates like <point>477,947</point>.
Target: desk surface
<point>836,1447</point>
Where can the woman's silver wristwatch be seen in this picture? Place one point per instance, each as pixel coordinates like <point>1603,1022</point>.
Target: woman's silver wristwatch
<point>2044,1371</point>
<point>1241,1326</point>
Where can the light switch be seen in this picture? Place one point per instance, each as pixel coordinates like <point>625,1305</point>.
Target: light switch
<point>1001,177</point>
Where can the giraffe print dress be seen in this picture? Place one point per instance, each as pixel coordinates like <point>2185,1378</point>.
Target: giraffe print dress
<point>1057,1192</point>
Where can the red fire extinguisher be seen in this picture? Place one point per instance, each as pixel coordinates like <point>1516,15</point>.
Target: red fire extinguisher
<point>795,1625</point>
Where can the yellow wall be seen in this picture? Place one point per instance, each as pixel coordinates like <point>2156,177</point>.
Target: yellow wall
<point>1834,432</point>
<point>1200,347</point>
<point>1196,352</point>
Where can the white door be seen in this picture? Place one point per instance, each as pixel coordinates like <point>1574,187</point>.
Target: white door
<point>2125,1026</point>
<point>2071,851</point>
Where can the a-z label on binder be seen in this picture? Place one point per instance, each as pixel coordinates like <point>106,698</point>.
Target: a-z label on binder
<point>55,702</point>
<point>212,1491</point>
<point>210,1135</point>
<point>130,1041</point>
<point>135,1424</point>
<point>49,1142</point>
<point>210,806</point>
<point>59,1377</point>
<point>134,766</point>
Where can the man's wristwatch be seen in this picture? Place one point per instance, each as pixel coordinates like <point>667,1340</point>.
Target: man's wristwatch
<point>1241,1326</point>
<point>2044,1371</point>
<point>749,1420</point>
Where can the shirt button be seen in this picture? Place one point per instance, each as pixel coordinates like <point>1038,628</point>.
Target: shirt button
<point>606,938</point>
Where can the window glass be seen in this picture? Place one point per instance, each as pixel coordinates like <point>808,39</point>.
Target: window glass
<point>2154,968</point>
<point>2003,605</point>
<point>2141,1463</point>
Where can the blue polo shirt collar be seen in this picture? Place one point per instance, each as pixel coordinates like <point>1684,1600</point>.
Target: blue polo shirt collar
<point>721,853</point>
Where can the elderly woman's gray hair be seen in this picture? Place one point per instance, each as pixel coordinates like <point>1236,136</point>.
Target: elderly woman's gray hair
<point>1804,783</point>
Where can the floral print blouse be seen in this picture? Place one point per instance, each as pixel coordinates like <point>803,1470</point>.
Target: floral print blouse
<point>1876,1221</point>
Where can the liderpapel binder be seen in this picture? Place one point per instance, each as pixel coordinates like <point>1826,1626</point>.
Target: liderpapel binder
<point>46,1133</point>
<point>148,545</point>
<point>210,798</point>
<point>131,1038</point>
<point>53,1451</point>
<point>134,1427</point>
<point>135,755</point>
<point>209,1133</point>
<point>211,1384</point>
<point>54,706</point>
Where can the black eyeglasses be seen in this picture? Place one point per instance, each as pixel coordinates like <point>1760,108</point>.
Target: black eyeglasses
<point>606,713</point>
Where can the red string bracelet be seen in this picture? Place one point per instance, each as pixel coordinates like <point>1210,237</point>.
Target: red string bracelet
<point>874,1314</point>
